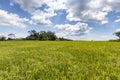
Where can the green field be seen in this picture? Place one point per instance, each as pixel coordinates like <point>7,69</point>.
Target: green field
<point>72,60</point>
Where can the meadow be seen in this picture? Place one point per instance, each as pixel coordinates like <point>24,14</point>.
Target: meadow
<point>59,60</point>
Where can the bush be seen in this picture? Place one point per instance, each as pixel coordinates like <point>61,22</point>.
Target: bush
<point>2,38</point>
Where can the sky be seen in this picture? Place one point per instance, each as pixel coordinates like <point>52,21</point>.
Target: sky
<point>72,19</point>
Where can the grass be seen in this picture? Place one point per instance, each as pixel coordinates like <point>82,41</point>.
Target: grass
<point>45,60</point>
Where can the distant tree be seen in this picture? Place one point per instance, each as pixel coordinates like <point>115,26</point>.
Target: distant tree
<point>43,36</point>
<point>51,35</point>
<point>11,36</point>
<point>117,34</point>
<point>2,38</point>
<point>32,32</point>
<point>64,39</point>
<point>33,35</point>
<point>61,39</point>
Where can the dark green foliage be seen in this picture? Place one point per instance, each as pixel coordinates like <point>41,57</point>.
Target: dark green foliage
<point>33,35</point>
<point>117,34</point>
<point>63,39</point>
<point>42,35</point>
<point>2,38</point>
<point>117,40</point>
<point>51,35</point>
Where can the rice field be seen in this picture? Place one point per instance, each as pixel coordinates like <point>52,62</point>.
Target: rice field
<point>59,60</point>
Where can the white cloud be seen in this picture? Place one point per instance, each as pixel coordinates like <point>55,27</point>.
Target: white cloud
<point>117,20</point>
<point>41,16</point>
<point>30,5</point>
<point>78,10</point>
<point>10,19</point>
<point>117,30</point>
<point>91,10</point>
<point>3,35</point>
<point>88,10</point>
<point>79,29</point>
<point>114,4</point>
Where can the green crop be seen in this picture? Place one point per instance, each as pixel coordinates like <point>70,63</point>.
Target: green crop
<point>59,60</point>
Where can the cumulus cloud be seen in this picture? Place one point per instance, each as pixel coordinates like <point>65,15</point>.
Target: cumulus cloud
<point>114,4</point>
<point>78,10</point>
<point>41,16</point>
<point>79,29</point>
<point>3,35</point>
<point>117,20</point>
<point>10,19</point>
<point>88,10</point>
<point>31,5</point>
<point>91,10</point>
<point>117,30</point>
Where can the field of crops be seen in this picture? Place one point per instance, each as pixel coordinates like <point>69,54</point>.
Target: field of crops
<point>45,60</point>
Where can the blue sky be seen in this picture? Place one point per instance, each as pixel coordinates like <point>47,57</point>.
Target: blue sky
<point>73,19</point>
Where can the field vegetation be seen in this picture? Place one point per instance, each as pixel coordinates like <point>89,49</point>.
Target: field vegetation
<point>59,60</point>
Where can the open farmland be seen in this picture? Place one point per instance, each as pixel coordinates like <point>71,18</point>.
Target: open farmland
<point>59,60</point>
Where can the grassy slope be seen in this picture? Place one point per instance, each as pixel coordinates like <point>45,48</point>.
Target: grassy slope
<point>33,60</point>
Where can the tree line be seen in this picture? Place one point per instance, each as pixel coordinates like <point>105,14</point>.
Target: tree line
<point>43,35</point>
<point>34,35</point>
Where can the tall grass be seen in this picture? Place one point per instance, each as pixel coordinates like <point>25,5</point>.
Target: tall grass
<point>57,60</point>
